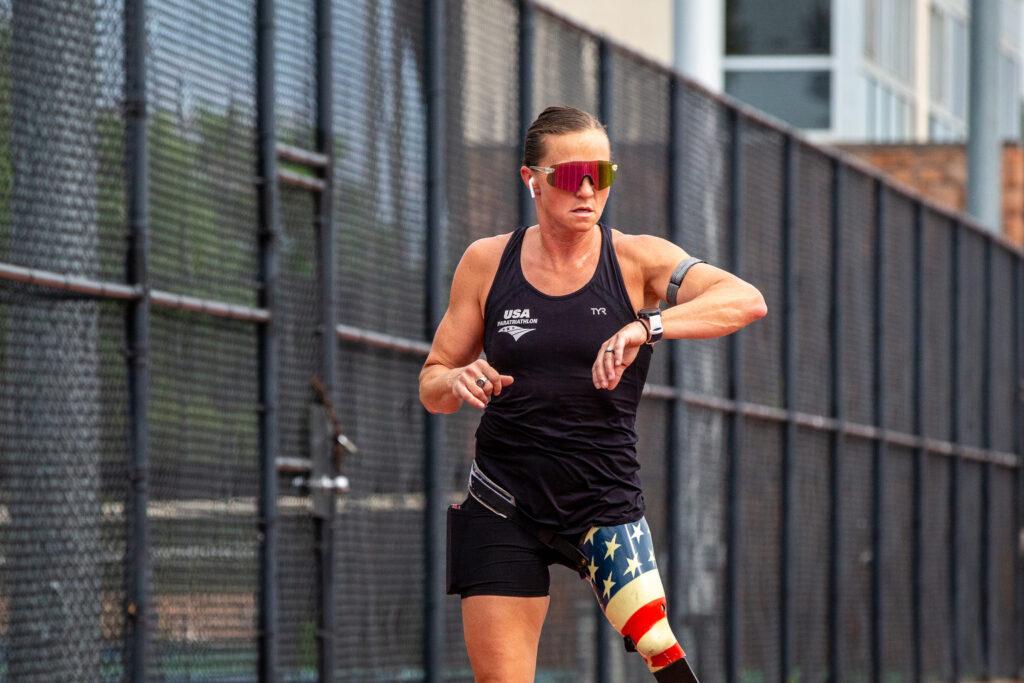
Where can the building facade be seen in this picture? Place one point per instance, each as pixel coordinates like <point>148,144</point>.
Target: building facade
<point>841,70</point>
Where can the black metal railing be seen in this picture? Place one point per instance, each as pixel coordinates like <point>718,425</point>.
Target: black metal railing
<point>217,439</point>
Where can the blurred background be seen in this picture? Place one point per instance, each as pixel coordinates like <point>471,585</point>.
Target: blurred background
<point>227,233</point>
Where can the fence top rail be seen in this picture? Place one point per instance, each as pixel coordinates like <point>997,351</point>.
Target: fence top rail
<point>767,120</point>
<point>115,290</point>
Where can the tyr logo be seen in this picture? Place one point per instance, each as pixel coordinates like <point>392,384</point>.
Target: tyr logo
<point>511,313</point>
<point>599,311</point>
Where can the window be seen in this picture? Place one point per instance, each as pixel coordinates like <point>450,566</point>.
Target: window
<point>890,112</point>
<point>778,27</point>
<point>801,98</point>
<point>889,36</point>
<point>1009,97</point>
<point>948,76</point>
<point>937,64</point>
<point>959,58</point>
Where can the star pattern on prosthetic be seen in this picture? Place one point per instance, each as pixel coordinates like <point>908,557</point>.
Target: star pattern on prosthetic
<point>620,568</point>
<point>612,546</point>
<point>590,535</point>
<point>632,565</point>
<point>608,583</point>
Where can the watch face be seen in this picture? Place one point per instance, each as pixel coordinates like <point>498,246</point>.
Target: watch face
<point>656,327</point>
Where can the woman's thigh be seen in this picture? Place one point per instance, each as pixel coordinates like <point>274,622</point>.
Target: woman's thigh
<point>502,633</point>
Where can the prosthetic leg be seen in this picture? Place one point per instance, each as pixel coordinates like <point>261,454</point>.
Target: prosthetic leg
<point>626,583</point>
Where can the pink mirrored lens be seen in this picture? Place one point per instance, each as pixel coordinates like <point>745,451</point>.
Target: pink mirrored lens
<point>568,175</point>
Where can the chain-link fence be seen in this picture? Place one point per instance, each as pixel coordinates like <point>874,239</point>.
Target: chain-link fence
<point>227,230</point>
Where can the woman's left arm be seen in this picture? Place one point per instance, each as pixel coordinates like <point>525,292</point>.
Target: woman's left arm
<point>711,302</point>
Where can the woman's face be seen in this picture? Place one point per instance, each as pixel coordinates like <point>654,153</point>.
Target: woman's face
<point>555,206</point>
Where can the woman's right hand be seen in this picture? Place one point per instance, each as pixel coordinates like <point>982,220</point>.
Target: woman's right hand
<point>463,383</point>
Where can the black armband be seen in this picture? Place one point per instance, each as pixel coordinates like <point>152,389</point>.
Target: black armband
<point>677,278</point>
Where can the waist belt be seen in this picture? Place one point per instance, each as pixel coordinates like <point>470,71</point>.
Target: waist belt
<point>502,503</point>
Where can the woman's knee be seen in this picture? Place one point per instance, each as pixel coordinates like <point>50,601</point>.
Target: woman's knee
<point>502,635</point>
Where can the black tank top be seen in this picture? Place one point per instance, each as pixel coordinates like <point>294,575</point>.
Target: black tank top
<point>564,448</point>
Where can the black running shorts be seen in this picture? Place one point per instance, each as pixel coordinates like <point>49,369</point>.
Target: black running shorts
<point>490,555</point>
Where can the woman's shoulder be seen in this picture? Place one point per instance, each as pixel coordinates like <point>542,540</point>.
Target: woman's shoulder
<point>630,251</point>
<point>637,247</point>
<point>481,261</point>
<point>484,254</point>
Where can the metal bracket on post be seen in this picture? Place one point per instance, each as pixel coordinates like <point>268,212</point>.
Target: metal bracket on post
<point>323,482</point>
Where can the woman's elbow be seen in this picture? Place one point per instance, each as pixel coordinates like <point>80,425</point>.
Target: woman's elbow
<point>757,308</point>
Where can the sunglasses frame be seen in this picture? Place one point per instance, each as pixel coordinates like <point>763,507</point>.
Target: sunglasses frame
<point>549,171</point>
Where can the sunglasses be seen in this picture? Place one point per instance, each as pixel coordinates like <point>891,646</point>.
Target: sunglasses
<point>569,174</point>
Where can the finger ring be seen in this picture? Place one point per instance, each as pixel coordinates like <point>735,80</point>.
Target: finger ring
<point>610,349</point>
<point>481,381</point>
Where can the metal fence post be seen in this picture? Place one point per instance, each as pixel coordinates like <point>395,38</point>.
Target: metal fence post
<point>676,430</point>
<point>789,400</point>
<point>605,105</point>
<point>602,655</point>
<point>917,414</point>
<point>527,19</point>
<point>836,411</point>
<point>985,540</point>
<point>954,437</point>
<point>324,523</point>
<point>735,423</point>
<point>434,517</point>
<point>137,318</point>
<point>880,450</point>
<point>269,231</point>
<point>1018,416</point>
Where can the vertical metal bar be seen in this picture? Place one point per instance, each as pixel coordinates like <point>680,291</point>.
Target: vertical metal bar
<point>137,333</point>
<point>789,401</point>
<point>836,410</point>
<point>324,523</point>
<point>954,437</point>
<point>434,519</point>
<point>917,414</point>
<point>269,232</point>
<point>1018,430</point>
<point>676,441</point>
<point>604,90</point>
<point>879,450</point>
<point>985,541</point>
<point>527,20</point>
<point>606,107</point>
<point>734,422</point>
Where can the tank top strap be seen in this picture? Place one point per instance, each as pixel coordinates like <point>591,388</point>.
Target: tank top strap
<point>507,277</point>
<point>510,255</point>
<point>611,275</point>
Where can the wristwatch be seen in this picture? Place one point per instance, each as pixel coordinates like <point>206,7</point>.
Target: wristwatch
<point>651,318</point>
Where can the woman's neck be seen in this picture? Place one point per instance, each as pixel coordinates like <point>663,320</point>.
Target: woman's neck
<point>567,249</point>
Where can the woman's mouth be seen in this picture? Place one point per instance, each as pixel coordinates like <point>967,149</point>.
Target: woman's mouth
<point>583,211</point>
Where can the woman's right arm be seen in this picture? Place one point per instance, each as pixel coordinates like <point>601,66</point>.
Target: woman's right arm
<point>449,374</point>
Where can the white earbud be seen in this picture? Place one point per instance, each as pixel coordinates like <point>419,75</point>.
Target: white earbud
<point>532,195</point>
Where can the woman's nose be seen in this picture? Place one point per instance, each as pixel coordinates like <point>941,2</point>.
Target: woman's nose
<point>586,186</point>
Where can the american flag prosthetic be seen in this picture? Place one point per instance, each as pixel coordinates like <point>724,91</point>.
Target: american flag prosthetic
<point>624,577</point>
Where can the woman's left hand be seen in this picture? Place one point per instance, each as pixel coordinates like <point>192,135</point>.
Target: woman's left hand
<point>617,353</point>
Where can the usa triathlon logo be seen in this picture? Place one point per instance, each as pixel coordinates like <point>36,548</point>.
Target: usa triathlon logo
<point>514,320</point>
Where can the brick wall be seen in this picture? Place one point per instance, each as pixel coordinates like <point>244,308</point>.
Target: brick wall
<point>939,171</point>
